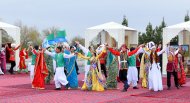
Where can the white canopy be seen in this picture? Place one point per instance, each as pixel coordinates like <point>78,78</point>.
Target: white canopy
<point>115,30</point>
<point>171,32</point>
<point>14,32</point>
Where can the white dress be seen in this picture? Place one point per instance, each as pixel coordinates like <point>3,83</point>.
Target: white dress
<point>155,77</point>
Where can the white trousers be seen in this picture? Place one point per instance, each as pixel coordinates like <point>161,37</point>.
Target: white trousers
<point>132,76</point>
<point>87,68</point>
<point>1,72</point>
<point>32,72</point>
<point>60,77</point>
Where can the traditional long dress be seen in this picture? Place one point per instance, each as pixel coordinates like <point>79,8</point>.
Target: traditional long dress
<point>181,72</point>
<point>112,62</point>
<point>124,64</point>
<point>155,77</point>
<point>71,71</point>
<point>1,72</point>
<point>23,55</point>
<point>40,72</point>
<point>94,80</point>
<point>144,69</point>
<point>3,60</point>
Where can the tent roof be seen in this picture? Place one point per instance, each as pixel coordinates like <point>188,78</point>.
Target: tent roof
<point>5,25</point>
<point>111,25</point>
<point>181,25</point>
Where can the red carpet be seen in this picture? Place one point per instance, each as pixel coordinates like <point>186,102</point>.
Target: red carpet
<point>17,89</point>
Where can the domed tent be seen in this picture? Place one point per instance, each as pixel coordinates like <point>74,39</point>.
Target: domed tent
<point>112,33</point>
<point>183,32</point>
<point>14,32</point>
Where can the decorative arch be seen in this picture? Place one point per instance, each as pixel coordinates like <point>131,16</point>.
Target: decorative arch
<point>104,37</point>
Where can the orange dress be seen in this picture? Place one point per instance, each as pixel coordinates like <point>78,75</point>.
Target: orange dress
<point>40,72</point>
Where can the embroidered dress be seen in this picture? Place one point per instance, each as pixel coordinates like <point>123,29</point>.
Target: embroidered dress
<point>112,62</point>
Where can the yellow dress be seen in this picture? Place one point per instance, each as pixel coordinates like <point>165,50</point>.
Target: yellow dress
<point>143,71</point>
<point>93,81</point>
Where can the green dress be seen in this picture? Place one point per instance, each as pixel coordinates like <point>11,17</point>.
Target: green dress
<point>112,63</point>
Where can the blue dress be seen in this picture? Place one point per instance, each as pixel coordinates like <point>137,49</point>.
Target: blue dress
<point>71,70</point>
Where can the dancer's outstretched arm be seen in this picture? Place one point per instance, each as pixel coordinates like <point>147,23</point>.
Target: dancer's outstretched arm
<point>49,53</point>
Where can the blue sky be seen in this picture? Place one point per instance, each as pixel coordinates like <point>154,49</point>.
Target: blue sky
<point>77,15</point>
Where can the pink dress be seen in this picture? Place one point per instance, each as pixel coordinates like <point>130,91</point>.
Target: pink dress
<point>3,60</point>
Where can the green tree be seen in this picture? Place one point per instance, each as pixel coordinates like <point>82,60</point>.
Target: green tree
<point>159,32</point>
<point>50,30</point>
<point>187,17</point>
<point>152,34</point>
<point>148,35</point>
<point>6,38</point>
<point>125,21</point>
<point>29,35</point>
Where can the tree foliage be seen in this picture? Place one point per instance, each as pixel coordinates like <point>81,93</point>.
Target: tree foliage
<point>187,17</point>
<point>152,34</point>
<point>29,35</point>
<point>125,21</point>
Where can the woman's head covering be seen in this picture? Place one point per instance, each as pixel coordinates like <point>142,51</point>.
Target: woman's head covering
<point>123,46</point>
<point>13,45</point>
<point>151,45</point>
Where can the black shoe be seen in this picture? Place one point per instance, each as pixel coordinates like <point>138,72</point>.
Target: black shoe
<point>57,88</point>
<point>177,87</point>
<point>78,73</point>
<point>67,86</point>
<point>11,72</point>
<point>124,90</point>
<point>168,88</point>
<point>135,88</point>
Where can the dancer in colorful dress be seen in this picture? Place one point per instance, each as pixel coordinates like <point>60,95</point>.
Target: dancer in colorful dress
<point>60,77</point>
<point>23,56</point>
<point>124,65</point>
<point>71,69</point>
<point>12,56</point>
<point>40,71</point>
<point>94,79</point>
<point>155,77</point>
<point>180,66</point>
<point>3,59</point>
<point>172,68</point>
<point>144,68</point>
<point>112,63</point>
<point>88,52</point>
<point>34,55</point>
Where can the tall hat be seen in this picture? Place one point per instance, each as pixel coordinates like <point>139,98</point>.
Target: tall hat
<point>123,46</point>
<point>151,45</point>
<point>13,45</point>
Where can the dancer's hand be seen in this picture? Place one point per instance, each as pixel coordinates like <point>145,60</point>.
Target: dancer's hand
<point>44,49</point>
<point>142,45</point>
<point>160,45</point>
<point>31,47</point>
<point>77,42</point>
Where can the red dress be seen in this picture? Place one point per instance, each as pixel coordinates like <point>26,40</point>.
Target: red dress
<point>40,72</point>
<point>23,55</point>
<point>181,72</point>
